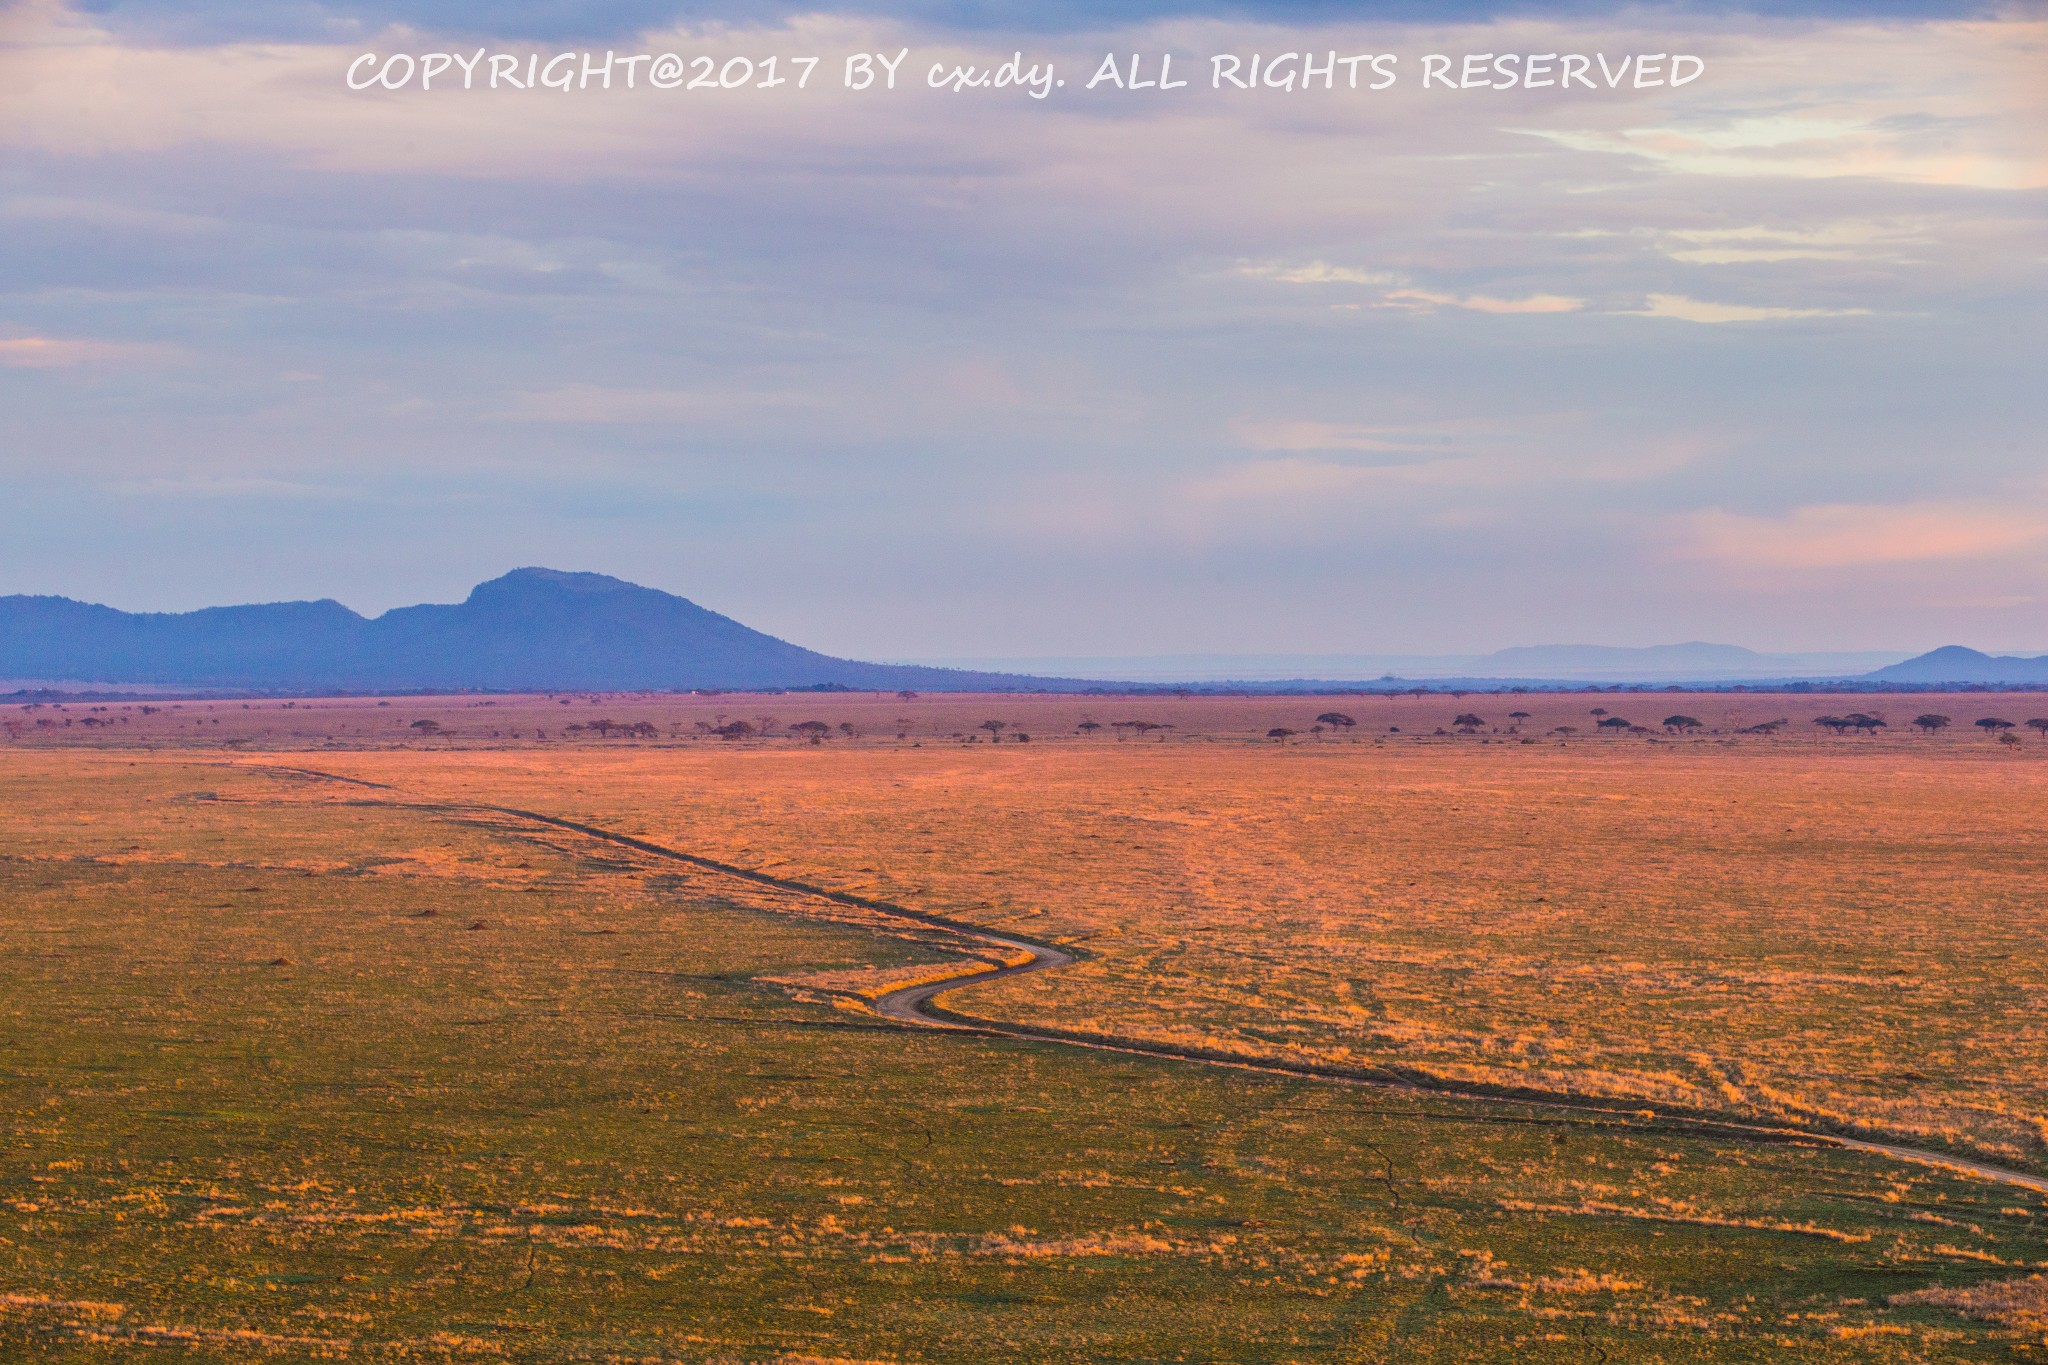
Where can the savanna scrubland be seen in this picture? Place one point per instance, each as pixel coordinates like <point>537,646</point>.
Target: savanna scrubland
<point>300,1066</point>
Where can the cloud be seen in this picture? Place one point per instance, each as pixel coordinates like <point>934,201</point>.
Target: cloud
<point>1423,300</point>
<point>1291,478</point>
<point>1699,310</point>
<point>597,403</point>
<point>1316,272</point>
<point>1411,299</point>
<point>1295,434</point>
<point>1849,535</point>
<point>1974,102</point>
<point>953,310</point>
<point>48,353</point>
<point>1840,241</point>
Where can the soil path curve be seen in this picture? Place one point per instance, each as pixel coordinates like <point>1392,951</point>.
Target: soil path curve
<point>919,1006</point>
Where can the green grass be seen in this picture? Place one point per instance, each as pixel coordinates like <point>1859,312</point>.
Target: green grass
<point>255,1095</point>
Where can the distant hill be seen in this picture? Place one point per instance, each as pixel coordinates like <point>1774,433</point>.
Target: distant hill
<point>1693,661</point>
<point>538,629</point>
<point>542,629</point>
<point>1545,664</point>
<point>1955,664</point>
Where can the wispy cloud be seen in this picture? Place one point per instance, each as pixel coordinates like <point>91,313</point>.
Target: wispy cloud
<point>1847,535</point>
<point>599,404</point>
<point>961,312</point>
<point>1839,241</point>
<point>1406,296</point>
<point>1316,272</point>
<point>1287,477</point>
<point>1298,434</point>
<point>1683,309</point>
<point>49,353</point>
<point>1424,300</point>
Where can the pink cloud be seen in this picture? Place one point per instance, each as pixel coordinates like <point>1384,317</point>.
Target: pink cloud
<point>48,353</point>
<point>1843,535</point>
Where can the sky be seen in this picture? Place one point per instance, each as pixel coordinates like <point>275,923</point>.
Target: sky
<point>925,373</point>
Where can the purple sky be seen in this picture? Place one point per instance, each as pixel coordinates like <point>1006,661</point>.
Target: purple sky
<point>921,373</point>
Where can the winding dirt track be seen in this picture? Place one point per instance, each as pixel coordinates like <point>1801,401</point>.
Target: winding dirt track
<point>919,1006</point>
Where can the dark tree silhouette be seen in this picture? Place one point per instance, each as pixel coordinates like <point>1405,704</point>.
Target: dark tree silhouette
<point>1467,722</point>
<point>1336,720</point>
<point>812,730</point>
<point>1681,723</point>
<point>1279,732</point>
<point>1930,722</point>
<point>1615,723</point>
<point>995,728</point>
<point>1992,724</point>
<point>2039,724</point>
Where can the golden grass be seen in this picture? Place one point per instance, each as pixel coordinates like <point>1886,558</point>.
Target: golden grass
<point>1831,932</point>
<point>271,1096</point>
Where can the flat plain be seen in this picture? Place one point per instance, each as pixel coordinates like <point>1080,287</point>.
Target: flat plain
<point>312,1049</point>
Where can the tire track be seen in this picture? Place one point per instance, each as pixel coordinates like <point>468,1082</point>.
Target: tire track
<point>919,1007</point>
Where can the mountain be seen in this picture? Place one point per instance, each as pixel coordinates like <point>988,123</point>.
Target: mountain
<point>542,629</point>
<point>1694,661</point>
<point>537,629</point>
<point>1548,664</point>
<point>1955,664</point>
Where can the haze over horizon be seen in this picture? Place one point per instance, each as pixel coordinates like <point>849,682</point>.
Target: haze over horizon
<point>963,376</point>
<point>1655,661</point>
<point>541,627</point>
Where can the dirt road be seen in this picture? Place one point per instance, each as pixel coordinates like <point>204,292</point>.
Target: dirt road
<point>919,1006</point>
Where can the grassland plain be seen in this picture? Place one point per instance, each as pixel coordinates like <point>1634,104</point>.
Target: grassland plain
<point>1834,932</point>
<point>272,1095</point>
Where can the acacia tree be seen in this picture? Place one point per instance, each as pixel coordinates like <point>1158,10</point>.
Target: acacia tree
<point>1336,720</point>
<point>1930,722</point>
<point>1675,723</point>
<point>1991,725</point>
<point>2039,724</point>
<point>812,730</point>
<point>1468,722</point>
<point>995,729</point>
